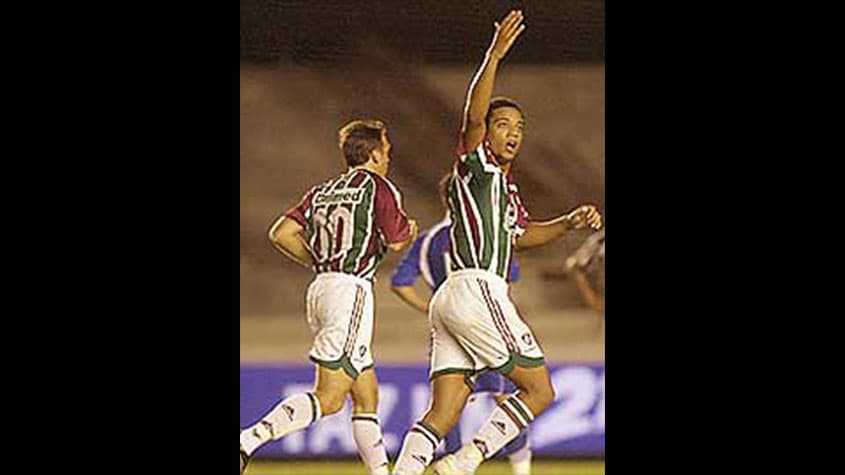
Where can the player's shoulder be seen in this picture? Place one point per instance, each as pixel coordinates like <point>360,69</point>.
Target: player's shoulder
<point>353,178</point>
<point>380,180</point>
<point>327,183</point>
<point>359,178</point>
<point>384,187</point>
<point>480,159</point>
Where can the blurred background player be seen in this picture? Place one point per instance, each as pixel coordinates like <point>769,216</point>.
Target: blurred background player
<point>341,229</point>
<point>429,257</point>
<point>475,326</point>
<point>586,266</point>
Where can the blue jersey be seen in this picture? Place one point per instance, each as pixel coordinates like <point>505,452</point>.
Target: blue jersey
<point>429,257</point>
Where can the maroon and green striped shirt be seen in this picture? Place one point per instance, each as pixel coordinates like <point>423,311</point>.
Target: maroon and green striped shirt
<point>349,221</point>
<point>486,211</point>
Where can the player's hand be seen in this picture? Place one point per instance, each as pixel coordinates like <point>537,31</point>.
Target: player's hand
<point>584,216</point>
<point>506,33</point>
<point>414,229</point>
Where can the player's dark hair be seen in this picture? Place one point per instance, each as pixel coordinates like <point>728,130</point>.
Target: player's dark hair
<point>498,102</point>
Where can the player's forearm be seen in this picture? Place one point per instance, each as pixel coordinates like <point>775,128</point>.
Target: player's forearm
<point>285,237</point>
<point>410,297</point>
<point>294,248</point>
<point>481,91</point>
<point>592,298</point>
<point>538,234</point>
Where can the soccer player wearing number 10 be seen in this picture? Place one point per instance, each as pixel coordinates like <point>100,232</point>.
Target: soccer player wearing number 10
<point>342,229</point>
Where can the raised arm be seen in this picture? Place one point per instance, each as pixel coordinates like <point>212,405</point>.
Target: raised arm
<point>481,88</point>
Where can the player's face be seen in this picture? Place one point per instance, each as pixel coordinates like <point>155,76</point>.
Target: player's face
<point>505,133</point>
<point>382,156</point>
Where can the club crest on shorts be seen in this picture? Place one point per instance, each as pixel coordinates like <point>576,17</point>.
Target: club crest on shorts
<point>510,215</point>
<point>362,350</point>
<point>526,338</point>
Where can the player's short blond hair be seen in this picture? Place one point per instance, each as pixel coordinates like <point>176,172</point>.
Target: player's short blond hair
<point>358,138</point>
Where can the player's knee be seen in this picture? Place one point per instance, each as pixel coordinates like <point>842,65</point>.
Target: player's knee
<point>362,404</point>
<point>330,401</point>
<point>538,394</point>
<point>444,415</point>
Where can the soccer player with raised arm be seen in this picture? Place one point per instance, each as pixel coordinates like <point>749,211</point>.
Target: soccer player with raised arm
<point>475,326</point>
<point>428,258</point>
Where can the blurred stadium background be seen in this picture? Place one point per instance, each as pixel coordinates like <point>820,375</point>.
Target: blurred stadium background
<point>308,67</point>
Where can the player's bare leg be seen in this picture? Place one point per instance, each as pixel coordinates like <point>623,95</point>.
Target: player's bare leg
<point>331,387</point>
<point>449,393</point>
<point>298,411</point>
<point>535,387</point>
<point>365,423</point>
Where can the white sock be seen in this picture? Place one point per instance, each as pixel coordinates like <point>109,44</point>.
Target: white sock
<point>367,433</point>
<point>294,413</point>
<point>504,425</point>
<point>417,450</point>
<point>521,460</point>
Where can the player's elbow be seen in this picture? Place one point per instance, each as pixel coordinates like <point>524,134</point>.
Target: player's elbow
<point>274,233</point>
<point>399,290</point>
<point>283,231</point>
<point>398,246</point>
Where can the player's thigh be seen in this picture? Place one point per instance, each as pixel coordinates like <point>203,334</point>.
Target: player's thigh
<point>365,393</point>
<point>331,387</point>
<point>448,356</point>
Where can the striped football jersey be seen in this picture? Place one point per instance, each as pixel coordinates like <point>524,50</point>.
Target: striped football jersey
<point>486,211</point>
<point>349,220</point>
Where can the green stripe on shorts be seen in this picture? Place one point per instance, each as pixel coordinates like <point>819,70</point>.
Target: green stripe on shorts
<point>468,375</point>
<point>343,362</point>
<point>522,361</point>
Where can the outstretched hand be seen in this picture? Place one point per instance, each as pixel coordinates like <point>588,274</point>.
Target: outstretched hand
<point>506,33</point>
<point>584,216</point>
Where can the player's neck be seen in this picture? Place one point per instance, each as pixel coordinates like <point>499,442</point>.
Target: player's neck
<point>505,167</point>
<point>369,166</point>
